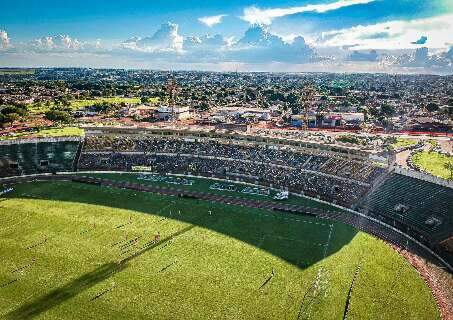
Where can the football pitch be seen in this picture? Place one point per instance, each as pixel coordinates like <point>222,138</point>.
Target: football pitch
<point>71,250</point>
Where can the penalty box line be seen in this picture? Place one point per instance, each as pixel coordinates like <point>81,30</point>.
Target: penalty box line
<point>291,219</point>
<point>329,237</point>
<point>295,240</point>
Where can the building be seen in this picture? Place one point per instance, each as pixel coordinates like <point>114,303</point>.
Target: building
<point>142,112</point>
<point>347,119</point>
<point>175,113</point>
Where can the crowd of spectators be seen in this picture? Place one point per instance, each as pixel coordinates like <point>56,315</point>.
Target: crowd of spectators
<point>334,179</point>
<point>329,188</point>
<point>283,156</point>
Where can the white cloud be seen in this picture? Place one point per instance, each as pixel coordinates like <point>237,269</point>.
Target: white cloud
<point>421,58</point>
<point>258,45</point>
<point>255,15</point>
<point>397,34</point>
<point>211,21</point>
<point>4,40</point>
<point>58,42</point>
<point>371,56</point>
<point>165,39</point>
<point>205,42</point>
<point>258,49</point>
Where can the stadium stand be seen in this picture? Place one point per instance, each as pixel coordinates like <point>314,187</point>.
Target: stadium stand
<point>326,187</point>
<point>327,175</point>
<point>284,155</point>
<point>420,208</point>
<point>20,157</point>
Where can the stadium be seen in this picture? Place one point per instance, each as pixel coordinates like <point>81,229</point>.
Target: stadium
<point>165,223</point>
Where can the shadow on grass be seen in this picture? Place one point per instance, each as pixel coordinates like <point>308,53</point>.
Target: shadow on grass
<point>270,235</point>
<point>86,281</point>
<point>248,225</point>
<point>244,224</point>
<point>64,293</point>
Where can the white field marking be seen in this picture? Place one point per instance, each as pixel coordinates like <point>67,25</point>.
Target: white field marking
<point>293,219</point>
<point>328,241</point>
<point>277,218</point>
<point>288,219</point>
<point>356,213</point>
<point>297,240</point>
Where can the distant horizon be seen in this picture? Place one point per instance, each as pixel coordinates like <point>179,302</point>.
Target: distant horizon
<point>231,71</point>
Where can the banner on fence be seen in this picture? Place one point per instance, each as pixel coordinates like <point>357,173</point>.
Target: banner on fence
<point>141,168</point>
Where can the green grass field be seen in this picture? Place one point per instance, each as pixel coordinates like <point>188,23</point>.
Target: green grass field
<point>433,162</point>
<point>404,142</point>
<point>45,133</point>
<point>78,104</point>
<point>60,244</point>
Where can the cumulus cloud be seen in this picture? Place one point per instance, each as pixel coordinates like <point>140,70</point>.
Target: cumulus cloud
<point>259,45</point>
<point>421,58</point>
<point>258,35</point>
<point>211,21</point>
<point>205,48</point>
<point>396,34</point>
<point>255,15</point>
<point>343,50</point>
<point>363,56</point>
<point>422,40</point>
<point>206,42</point>
<point>165,39</point>
<point>58,42</point>
<point>4,39</point>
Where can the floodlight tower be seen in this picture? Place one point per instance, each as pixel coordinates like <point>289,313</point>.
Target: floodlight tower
<point>172,90</point>
<point>306,101</point>
<point>259,98</point>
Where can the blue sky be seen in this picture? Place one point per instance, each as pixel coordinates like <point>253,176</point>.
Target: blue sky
<point>327,26</point>
<point>118,19</point>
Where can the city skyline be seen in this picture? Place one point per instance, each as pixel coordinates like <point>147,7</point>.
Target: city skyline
<point>290,36</point>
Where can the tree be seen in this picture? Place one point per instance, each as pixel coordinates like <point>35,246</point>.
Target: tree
<point>449,166</point>
<point>8,118</point>
<point>144,100</point>
<point>2,120</point>
<point>387,110</point>
<point>202,106</point>
<point>58,116</point>
<point>10,114</point>
<point>101,106</point>
<point>21,110</point>
<point>373,112</point>
<point>432,107</point>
